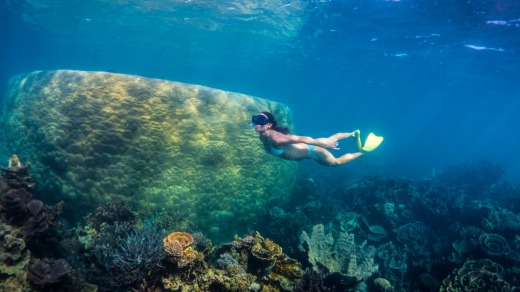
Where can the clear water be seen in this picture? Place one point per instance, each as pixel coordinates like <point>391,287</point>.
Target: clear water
<point>438,79</point>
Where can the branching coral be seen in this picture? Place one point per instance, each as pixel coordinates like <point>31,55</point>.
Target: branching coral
<point>137,256</point>
<point>200,242</point>
<point>108,233</point>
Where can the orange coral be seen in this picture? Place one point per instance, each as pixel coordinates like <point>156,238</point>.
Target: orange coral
<point>178,249</point>
<point>182,238</point>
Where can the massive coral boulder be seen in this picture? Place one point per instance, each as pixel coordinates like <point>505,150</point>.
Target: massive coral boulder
<point>93,137</point>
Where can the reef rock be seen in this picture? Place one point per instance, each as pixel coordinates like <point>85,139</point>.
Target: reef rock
<point>94,137</point>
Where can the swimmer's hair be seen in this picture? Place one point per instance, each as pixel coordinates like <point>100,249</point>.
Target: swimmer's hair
<point>276,127</point>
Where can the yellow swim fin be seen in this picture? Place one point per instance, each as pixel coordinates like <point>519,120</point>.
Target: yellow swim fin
<point>371,143</point>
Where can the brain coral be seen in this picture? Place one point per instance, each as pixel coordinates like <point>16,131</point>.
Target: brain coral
<point>94,137</point>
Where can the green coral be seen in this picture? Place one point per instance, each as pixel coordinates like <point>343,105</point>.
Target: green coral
<point>341,255</point>
<point>383,285</point>
<point>156,143</point>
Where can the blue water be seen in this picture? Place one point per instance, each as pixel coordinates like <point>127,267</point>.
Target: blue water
<point>438,79</point>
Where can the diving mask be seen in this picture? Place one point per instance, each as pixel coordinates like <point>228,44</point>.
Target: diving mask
<point>259,120</point>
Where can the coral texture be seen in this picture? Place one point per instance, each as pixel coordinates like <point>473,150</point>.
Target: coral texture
<point>14,258</point>
<point>342,255</point>
<point>481,275</point>
<point>251,263</point>
<point>138,256</point>
<point>178,248</point>
<point>46,272</point>
<point>160,144</point>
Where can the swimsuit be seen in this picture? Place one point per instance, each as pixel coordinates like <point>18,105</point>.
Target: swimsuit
<point>274,151</point>
<point>312,154</point>
<point>277,152</point>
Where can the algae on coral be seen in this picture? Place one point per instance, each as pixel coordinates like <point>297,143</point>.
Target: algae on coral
<point>94,137</point>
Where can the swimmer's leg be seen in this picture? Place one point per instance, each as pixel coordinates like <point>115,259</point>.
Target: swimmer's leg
<point>341,136</point>
<point>324,157</point>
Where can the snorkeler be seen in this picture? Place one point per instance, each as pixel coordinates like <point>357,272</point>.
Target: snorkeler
<point>279,142</point>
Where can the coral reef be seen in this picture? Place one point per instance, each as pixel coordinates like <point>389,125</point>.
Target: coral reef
<point>402,236</point>
<point>251,263</point>
<point>14,258</point>
<point>29,229</point>
<point>481,275</point>
<point>108,243</point>
<point>494,244</point>
<point>16,175</point>
<point>266,254</point>
<point>47,272</point>
<point>20,209</point>
<point>179,250</point>
<point>17,204</point>
<point>313,281</point>
<point>137,257</point>
<point>383,285</point>
<point>14,203</point>
<point>420,231</point>
<point>110,213</point>
<point>342,255</point>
